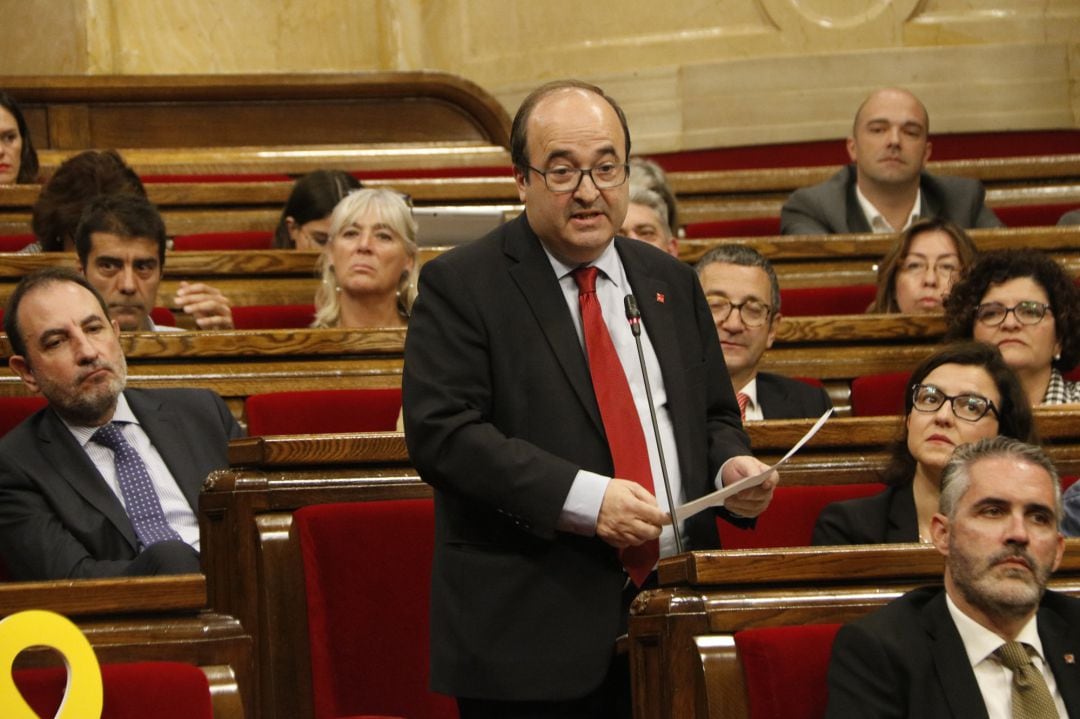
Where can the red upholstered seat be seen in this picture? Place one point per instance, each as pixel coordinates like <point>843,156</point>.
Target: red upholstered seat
<point>323,411</point>
<point>816,301</point>
<point>273,317</point>
<point>1073,375</point>
<point>789,520</point>
<point>1033,215</point>
<point>162,690</point>
<point>786,669</point>
<point>14,243</point>
<point>743,227</point>
<point>223,241</point>
<point>367,572</point>
<point>163,316</point>
<point>878,395</point>
<point>14,410</point>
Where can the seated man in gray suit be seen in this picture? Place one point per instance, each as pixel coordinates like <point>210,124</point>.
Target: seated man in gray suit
<point>992,642</point>
<point>744,296</point>
<point>886,188</point>
<point>104,481</point>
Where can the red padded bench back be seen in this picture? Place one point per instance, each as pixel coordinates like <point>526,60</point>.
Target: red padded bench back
<point>14,243</point>
<point>744,227</point>
<point>877,395</point>
<point>786,669</point>
<point>367,573</point>
<point>789,520</point>
<point>14,410</point>
<point>214,241</point>
<point>323,411</point>
<point>162,690</point>
<point>816,301</point>
<point>1033,215</point>
<point>273,317</point>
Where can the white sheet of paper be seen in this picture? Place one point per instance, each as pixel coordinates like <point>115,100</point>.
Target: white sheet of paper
<point>716,499</point>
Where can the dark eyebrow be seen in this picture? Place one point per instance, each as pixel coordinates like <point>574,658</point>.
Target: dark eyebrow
<point>564,154</point>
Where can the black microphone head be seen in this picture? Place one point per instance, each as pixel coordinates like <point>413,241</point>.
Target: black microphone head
<point>630,302</point>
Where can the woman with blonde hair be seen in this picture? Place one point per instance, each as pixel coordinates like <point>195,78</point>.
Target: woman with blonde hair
<point>369,264</point>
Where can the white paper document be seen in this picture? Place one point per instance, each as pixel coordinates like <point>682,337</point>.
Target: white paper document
<point>716,499</point>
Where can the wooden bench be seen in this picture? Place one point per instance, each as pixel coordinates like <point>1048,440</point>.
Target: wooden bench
<point>178,111</point>
<point>683,660</point>
<point>148,619</point>
<point>245,515</point>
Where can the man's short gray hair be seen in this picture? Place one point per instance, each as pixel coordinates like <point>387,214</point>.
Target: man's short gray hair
<point>744,256</point>
<point>956,478</point>
<point>642,195</point>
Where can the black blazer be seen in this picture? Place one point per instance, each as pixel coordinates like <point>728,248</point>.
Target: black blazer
<point>499,417</point>
<point>785,398</point>
<point>885,518</point>
<point>58,517</point>
<point>832,207</point>
<point>907,660</point>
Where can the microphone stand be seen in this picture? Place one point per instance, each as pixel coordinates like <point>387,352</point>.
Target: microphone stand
<point>633,316</point>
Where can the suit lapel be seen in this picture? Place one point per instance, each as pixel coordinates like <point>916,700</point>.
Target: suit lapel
<point>534,276</point>
<point>71,463</point>
<point>1060,640</point>
<point>161,427</point>
<point>957,680</point>
<point>856,218</point>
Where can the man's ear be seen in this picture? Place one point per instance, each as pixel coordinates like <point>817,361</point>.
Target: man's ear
<point>929,149</point>
<point>21,367</point>
<point>774,323</point>
<point>521,179</point>
<point>851,148</point>
<point>939,533</point>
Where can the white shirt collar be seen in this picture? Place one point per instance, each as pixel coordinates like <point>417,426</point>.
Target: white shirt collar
<point>608,263</point>
<point>980,642</point>
<point>877,221</point>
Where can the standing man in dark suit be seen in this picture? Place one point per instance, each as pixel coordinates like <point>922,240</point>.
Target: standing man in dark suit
<point>993,642</point>
<point>103,481</point>
<point>744,295</point>
<point>886,188</point>
<point>508,418</point>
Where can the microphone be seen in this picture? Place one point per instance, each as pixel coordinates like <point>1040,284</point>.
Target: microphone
<point>633,316</point>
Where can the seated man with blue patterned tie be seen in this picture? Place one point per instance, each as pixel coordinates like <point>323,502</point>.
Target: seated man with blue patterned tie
<point>993,642</point>
<point>104,481</point>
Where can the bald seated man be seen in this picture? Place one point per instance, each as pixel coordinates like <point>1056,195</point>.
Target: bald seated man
<point>886,186</point>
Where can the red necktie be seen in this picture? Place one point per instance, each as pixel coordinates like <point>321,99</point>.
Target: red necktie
<point>743,399</point>
<point>621,421</point>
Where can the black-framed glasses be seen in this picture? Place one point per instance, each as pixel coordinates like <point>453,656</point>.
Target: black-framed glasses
<point>1028,312</point>
<point>604,176</point>
<point>754,313</point>
<point>968,407</point>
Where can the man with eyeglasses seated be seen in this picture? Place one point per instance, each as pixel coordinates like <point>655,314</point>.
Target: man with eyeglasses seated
<point>959,394</point>
<point>744,295</point>
<point>1025,304</point>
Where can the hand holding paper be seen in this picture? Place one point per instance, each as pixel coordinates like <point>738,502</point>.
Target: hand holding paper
<point>716,499</point>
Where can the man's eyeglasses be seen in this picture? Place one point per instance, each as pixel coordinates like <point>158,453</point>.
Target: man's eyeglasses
<point>604,176</point>
<point>944,269</point>
<point>752,312</point>
<point>968,407</point>
<point>1028,312</point>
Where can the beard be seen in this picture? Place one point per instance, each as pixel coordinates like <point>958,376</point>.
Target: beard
<point>1009,592</point>
<point>88,406</point>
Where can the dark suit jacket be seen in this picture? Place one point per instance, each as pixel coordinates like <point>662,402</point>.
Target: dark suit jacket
<point>907,660</point>
<point>885,518</point>
<point>785,398</point>
<point>499,417</point>
<point>832,207</point>
<point>58,517</point>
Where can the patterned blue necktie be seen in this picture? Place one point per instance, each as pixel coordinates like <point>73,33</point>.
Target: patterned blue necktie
<point>140,497</point>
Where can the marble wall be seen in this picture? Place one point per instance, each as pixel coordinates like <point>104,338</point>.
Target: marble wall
<point>691,74</point>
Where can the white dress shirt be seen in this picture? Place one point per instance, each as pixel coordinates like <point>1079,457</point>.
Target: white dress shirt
<point>582,506</point>
<point>995,680</point>
<point>878,223</point>
<point>178,513</point>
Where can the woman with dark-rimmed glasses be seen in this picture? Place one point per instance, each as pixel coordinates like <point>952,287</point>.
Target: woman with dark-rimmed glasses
<point>960,394</point>
<point>1026,305</point>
